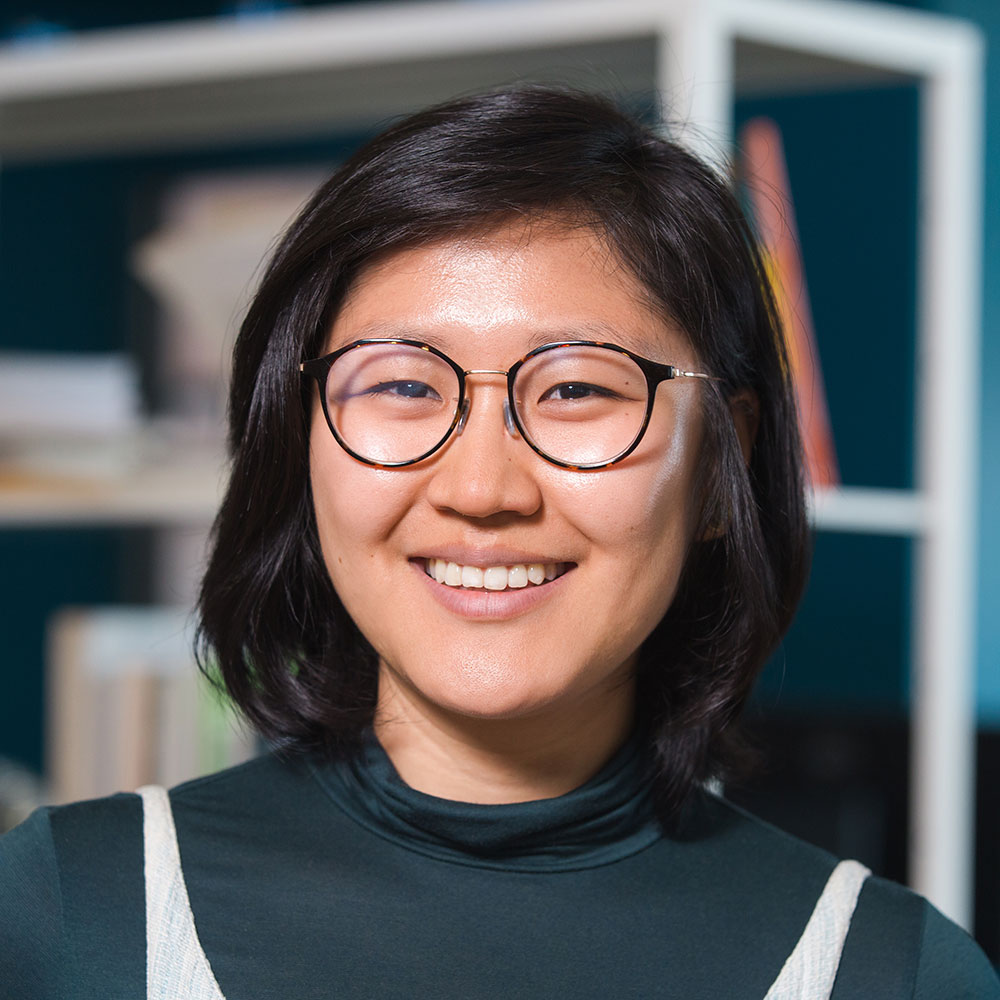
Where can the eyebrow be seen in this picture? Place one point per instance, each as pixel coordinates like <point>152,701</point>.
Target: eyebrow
<point>645,345</point>
<point>597,330</point>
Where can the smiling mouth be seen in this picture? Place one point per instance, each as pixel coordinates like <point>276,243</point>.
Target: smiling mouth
<point>514,577</point>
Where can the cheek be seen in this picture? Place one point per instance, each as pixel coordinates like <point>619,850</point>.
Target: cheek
<point>356,505</point>
<point>673,495</point>
<point>650,500</point>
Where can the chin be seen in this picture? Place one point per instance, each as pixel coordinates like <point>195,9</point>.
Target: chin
<point>494,697</point>
<point>486,689</point>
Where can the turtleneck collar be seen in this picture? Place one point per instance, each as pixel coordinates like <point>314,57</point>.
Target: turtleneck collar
<point>608,818</point>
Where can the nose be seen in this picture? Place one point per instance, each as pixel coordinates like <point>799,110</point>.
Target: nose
<point>484,470</point>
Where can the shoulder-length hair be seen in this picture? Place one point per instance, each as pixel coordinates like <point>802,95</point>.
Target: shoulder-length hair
<point>272,629</point>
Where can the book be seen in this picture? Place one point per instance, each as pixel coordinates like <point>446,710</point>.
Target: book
<point>67,394</point>
<point>765,178</point>
<point>127,706</point>
<point>201,265</point>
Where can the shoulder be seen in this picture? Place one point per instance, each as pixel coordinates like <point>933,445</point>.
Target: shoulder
<point>258,815</point>
<point>72,880</point>
<point>257,775</point>
<point>253,795</point>
<point>754,851</point>
<point>901,944</point>
<point>72,887</point>
<point>66,868</point>
<point>898,944</point>
<point>31,917</point>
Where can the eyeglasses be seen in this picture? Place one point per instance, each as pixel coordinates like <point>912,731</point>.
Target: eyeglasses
<point>578,404</point>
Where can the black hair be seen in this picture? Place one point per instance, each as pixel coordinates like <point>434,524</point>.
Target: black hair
<point>272,629</point>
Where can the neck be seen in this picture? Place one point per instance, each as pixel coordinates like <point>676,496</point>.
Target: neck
<point>522,759</point>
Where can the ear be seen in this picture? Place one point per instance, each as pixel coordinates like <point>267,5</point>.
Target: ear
<point>745,410</point>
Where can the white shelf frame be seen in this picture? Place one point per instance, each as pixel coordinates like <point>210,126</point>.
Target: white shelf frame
<point>696,44</point>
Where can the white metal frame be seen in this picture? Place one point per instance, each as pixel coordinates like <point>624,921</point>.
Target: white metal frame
<point>947,58</point>
<point>695,43</point>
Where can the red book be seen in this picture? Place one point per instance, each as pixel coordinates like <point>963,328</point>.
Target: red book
<point>766,178</point>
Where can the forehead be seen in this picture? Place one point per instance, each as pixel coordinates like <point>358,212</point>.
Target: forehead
<point>513,287</point>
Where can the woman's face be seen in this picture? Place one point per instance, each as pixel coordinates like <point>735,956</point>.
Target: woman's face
<point>618,536</point>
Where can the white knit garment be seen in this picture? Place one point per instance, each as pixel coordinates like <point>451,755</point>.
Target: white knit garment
<point>811,969</point>
<point>176,966</point>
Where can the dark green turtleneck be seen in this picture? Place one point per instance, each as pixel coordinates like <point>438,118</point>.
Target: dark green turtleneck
<point>318,880</point>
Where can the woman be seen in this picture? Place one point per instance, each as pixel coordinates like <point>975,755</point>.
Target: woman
<point>515,517</point>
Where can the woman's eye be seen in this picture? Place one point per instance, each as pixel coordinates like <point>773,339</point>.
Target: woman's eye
<point>404,389</point>
<point>576,390</point>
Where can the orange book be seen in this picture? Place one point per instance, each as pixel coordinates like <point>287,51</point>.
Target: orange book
<point>766,178</point>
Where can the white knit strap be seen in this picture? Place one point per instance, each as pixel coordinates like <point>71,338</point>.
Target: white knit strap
<point>176,966</point>
<point>809,972</point>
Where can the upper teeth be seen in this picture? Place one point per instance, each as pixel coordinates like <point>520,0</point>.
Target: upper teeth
<point>491,577</point>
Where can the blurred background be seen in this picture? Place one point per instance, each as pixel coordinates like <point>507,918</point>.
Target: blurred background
<point>148,158</point>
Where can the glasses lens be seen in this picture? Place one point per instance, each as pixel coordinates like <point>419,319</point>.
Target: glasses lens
<point>581,405</point>
<point>391,403</point>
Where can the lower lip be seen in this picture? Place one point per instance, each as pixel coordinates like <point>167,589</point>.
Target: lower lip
<point>490,605</point>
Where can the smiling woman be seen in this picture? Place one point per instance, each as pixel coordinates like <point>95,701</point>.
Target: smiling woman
<point>480,232</point>
<point>515,517</point>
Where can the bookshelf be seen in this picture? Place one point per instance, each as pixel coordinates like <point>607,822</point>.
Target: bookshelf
<point>322,70</point>
<point>161,486</point>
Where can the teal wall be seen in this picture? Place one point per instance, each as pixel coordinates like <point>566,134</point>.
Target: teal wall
<point>852,167</point>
